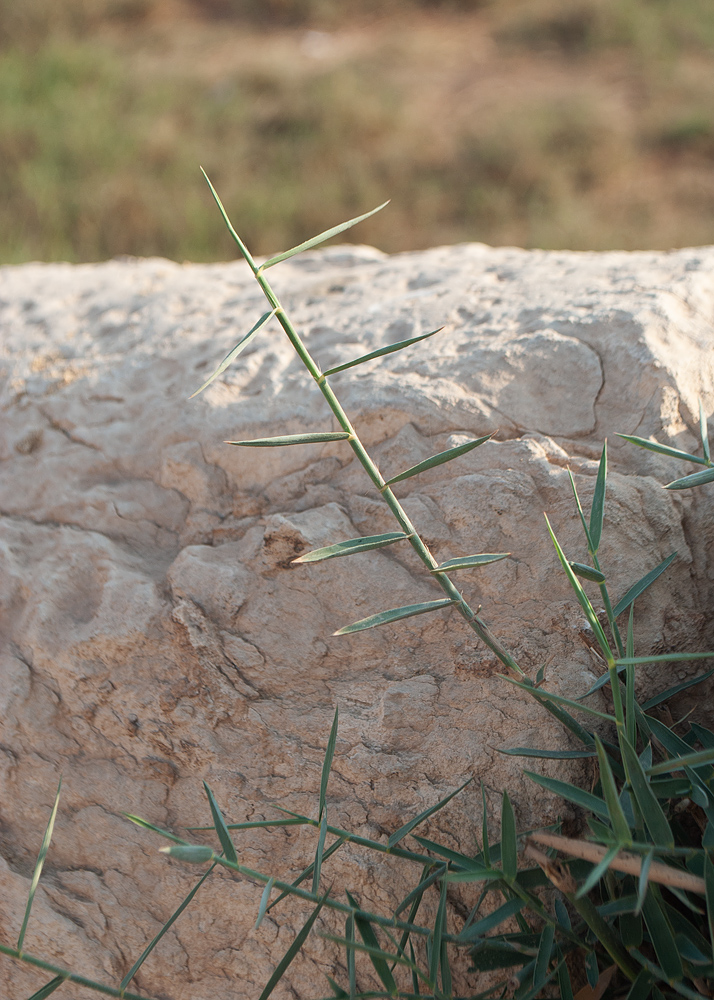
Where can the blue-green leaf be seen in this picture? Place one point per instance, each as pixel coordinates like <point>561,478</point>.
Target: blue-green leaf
<point>696,479</point>
<point>586,572</point>
<point>376,954</point>
<point>572,793</point>
<point>277,442</point>
<point>395,614</point>
<point>661,935</point>
<point>264,900</point>
<point>321,238</point>
<point>402,832</point>
<point>292,950</point>
<point>241,245</point>
<point>597,511</point>
<point>195,854</point>
<point>547,754</point>
<point>704,433</point>
<point>351,547</point>
<point>443,456</point>
<point>494,919</point>
<point>637,588</point>
<point>662,449</point>
<point>327,763</point>
<point>509,849</point>
<point>390,349</point>
<point>647,801</point>
<point>221,828</point>
<point>48,988</point>
<point>612,798</point>
<point>238,349</point>
<point>468,562</point>
<point>317,867</point>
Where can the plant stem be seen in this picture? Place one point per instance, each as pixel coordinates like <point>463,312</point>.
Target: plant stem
<point>69,977</point>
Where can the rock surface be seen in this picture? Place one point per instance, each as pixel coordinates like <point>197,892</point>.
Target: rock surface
<point>155,634</point>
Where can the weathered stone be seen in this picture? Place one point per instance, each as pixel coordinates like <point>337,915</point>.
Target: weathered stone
<point>155,632</point>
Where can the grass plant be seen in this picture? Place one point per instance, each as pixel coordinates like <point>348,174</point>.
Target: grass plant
<point>628,906</point>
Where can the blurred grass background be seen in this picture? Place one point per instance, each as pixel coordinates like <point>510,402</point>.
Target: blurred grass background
<point>583,124</point>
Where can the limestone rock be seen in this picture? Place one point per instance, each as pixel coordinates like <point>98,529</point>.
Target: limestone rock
<point>154,632</point>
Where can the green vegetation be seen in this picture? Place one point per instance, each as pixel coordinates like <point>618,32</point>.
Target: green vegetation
<point>630,907</point>
<point>584,124</point>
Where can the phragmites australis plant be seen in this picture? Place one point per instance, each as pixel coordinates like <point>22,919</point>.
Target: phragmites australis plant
<point>627,907</point>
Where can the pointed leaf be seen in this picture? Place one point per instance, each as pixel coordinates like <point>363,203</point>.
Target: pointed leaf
<point>643,882</point>
<point>580,512</point>
<point>597,511</point>
<point>545,948</point>
<point>641,989</point>
<point>571,793</point>
<point>195,854</point>
<point>241,245</point>
<point>565,987</point>
<point>661,449</point>
<point>327,764</point>
<point>485,846</point>
<point>443,456</point>
<point>44,848</point>
<point>704,433</point>
<point>709,890</point>
<point>172,919</point>
<point>439,927</point>
<point>494,919</point>
<point>418,891</point>
<point>233,354</point>
<point>154,829</point>
<point>48,988</point>
<point>377,956</point>
<point>318,854</point>
<point>509,849</point>
<point>390,349</point>
<point>307,872</point>
<point>402,832</point>
<point>582,598</point>
<point>650,808</point>
<point>396,614</point>
<point>598,871</point>
<point>264,900</point>
<point>696,479</point>
<point>661,935</point>
<point>587,572</point>
<point>547,754</point>
<point>630,712</point>
<point>468,562</point>
<point>642,585</point>
<point>292,950</point>
<point>612,798</point>
<point>221,828</point>
<point>541,694</point>
<point>316,240</point>
<point>694,759</point>
<point>351,955</point>
<point>277,442</point>
<point>351,546</point>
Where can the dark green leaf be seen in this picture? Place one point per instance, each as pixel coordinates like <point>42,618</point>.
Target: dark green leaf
<point>631,930</point>
<point>351,955</point>
<point>597,511</point>
<point>378,957</point>
<point>233,354</point>
<point>587,572</point>
<point>307,872</point>
<point>439,929</point>
<point>336,989</point>
<point>591,969</point>
<point>468,562</point>
<point>494,954</point>
<point>709,890</point>
<point>661,936</point>
<point>689,760</point>
<point>662,449</point>
<point>670,692</point>
<point>642,987</point>
<point>661,975</point>
<point>48,988</point>
<point>545,948</point>
<point>155,829</point>
<point>696,479</point>
<point>547,754</point>
<point>264,900</point>
<point>612,798</point>
<point>642,585</point>
<point>562,915</point>
<point>509,849</point>
<point>705,736</point>
<point>221,828</point>
<point>580,512</point>
<point>598,871</point>
<point>630,712</point>
<point>484,828</point>
<point>44,848</point>
<point>704,433</point>
<point>317,868</point>
<point>241,245</point>
<point>172,919</point>
<point>352,546</point>
<point>402,832</point>
<point>572,793</point>
<point>494,919</point>
<point>316,240</point>
<point>541,694</point>
<point>565,988</point>
<point>443,456</point>
<point>195,854</point>
<point>647,801</point>
<point>292,950</point>
<point>385,617</point>
<point>327,764</point>
<point>390,349</point>
<point>418,891</point>
<point>276,442</point>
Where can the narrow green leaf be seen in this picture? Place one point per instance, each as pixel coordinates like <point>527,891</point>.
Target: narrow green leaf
<point>172,919</point>
<point>696,479</point>
<point>597,511</point>
<point>48,988</point>
<point>571,793</point>
<point>337,990</point>
<point>233,354</point>
<point>44,848</point>
<point>542,695</point>
<point>591,969</point>
<point>670,692</point>
<point>587,572</point>
<point>351,956</point>
<point>264,900</point>
<point>351,547</point>
<point>322,238</point>
<point>704,433</point>
<point>565,987</point>
<point>612,798</point>
<point>694,759</point>
<point>495,919</point>
<point>259,824</point>
<point>650,808</point>
<point>468,562</point>
<point>509,848</point>
<point>642,585</point>
<point>195,854</point>
<point>662,449</point>
<point>661,975</point>
<point>327,763</point>
<point>580,512</point>
<point>598,871</point>
<point>396,614</point>
<point>402,832</point>
<point>390,349</point>
<point>641,989</point>
<point>547,754</point>
<point>318,854</point>
<point>446,981</point>
<point>705,736</point>
<point>443,456</point>
<point>545,948</point>
<point>138,821</point>
<point>418,891</point>
<point>630,712</point>
<point>439,928</point>
<point>582,598</point>
<point>485,847</point>
<point>460,861</point>
<point>709,893</point>
<point>221,828</point>
<point>661,935</point>
<point>292,950</point>
<point>643,882</point>
<point>378,957</point>
<point>276,442</point>
<point>241,245</point>
<point>307,872</point>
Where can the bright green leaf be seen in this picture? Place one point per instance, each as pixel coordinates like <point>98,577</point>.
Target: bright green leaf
<point>241,245</point>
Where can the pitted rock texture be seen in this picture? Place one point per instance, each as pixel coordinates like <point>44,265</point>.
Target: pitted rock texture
<point>154,632</point>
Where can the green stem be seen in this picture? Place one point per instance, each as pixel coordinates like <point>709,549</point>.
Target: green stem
<point>69,977</point>
<point>605,936</point>
<point>417,543</point>
<point>608,608</point>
